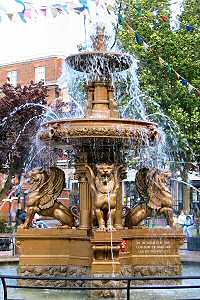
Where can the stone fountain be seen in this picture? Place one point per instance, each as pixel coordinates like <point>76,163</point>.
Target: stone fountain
<point>102,242</point>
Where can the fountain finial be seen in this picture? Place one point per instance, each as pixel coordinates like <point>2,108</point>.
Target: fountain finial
<point>99,39</point>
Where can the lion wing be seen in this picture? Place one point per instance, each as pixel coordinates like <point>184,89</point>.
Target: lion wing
<point>52,188</point>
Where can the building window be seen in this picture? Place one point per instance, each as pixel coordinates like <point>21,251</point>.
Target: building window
<point>39,74</point>
<point>12,77</point>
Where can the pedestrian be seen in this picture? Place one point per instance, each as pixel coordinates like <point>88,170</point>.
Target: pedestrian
<point>188,226</point>
<point>181,218</point>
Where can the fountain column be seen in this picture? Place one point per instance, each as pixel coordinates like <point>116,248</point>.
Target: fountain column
<point>85,197</point>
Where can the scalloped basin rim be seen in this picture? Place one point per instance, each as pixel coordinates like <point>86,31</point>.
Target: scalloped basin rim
<point>99,53</point>
<point>112,62</point>
<point>104,121</point>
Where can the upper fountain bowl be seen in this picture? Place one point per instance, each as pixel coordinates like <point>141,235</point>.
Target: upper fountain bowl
<point>99,62</point>
<point>131,134</point>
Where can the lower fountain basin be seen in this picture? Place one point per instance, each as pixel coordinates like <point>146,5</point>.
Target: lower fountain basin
<point>130,133</point>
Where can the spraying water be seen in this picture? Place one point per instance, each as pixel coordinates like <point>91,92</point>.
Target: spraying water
<point>186,183</point>
<point>176,8</point>
<point>22,107</point>
<point>23,129</point>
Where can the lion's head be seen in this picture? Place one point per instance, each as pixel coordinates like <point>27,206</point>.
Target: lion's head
<point>37,177</point>
<point>105,179</point>
<point>105,170</point>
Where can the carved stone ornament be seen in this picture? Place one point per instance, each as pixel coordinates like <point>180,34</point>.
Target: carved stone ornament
<point>137,134</point>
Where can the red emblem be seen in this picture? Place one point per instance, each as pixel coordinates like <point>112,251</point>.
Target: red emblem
<point>124,246</point>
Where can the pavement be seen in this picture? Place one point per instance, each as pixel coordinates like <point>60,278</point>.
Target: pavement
<point>189,256</point>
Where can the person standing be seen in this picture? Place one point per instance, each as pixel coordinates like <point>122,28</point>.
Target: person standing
<point>181,219</point>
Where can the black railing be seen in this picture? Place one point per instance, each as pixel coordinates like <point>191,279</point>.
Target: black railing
<point>7,242</point>
<point>126,286</point>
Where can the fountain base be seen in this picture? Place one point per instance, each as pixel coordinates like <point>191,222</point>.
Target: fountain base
<point>75,252</point>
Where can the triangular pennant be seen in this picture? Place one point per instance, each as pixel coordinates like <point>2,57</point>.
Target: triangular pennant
<point>21,14</point>
<point>177,75</point>
<point>165,18</point>
<point>54,12</point>
<point>65,8</point>
<point>169,69</point>
<point>43,11</point>
<point>59,10</point>
<point>184,82</point>
<point>79,10</point>
<point>190,88</point>
<point>121,19</point>
<point>10,16</point>
<point>139,39</point>
<point>146,46</point>
<point>27,13</point>
<point>161,61</point>
<point>155,12</point>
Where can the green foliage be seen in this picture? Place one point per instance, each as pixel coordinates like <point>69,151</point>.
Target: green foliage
<point>4,228</point>
<point>180,50</point>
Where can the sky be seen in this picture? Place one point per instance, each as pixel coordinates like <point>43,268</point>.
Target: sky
<point>46,36</point>
<point>58,36</point>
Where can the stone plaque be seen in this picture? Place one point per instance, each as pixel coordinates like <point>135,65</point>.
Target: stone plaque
<point>152,246</point>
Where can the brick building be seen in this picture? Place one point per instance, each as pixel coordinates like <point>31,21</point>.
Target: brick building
<point>45,68</point>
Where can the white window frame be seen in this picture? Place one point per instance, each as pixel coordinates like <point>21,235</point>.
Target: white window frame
<point>40,73</point>
<point>12,75</point>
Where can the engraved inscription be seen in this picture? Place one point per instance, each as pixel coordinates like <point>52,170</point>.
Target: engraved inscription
<point>152,246</point>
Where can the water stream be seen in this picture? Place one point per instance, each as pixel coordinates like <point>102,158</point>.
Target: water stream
<point>176,8</point>
<point>186,183</point>
<point>111,235</point>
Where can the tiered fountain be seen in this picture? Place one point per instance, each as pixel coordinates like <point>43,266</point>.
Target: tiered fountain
<point>100,143</point>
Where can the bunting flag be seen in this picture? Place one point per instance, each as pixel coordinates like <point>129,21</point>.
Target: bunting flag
<point>139,39</point>
<point>170,69</point>
<point>30,10</point>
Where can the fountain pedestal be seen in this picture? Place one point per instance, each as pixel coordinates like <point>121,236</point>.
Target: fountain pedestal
<point>62,251</point>
<point>106,250</point>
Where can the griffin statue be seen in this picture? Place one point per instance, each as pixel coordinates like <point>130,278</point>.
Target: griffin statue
<point>152,186</point>
<point>45,188</point>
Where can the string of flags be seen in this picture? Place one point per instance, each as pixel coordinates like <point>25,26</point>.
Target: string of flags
<point>32,10</point>
<point>140,41</point>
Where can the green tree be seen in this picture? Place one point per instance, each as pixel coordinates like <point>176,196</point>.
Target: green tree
<point>180,52</point>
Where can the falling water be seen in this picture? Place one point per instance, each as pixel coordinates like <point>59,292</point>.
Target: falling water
<point>27,166</point>
<point>22,107</point>
<point>186,183</point>
<point>135,107</point>
<point>23,129</point>
<point>176,8</point>
<point>72,82</point>
<point>111,240</point>
<point>111,237</point>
